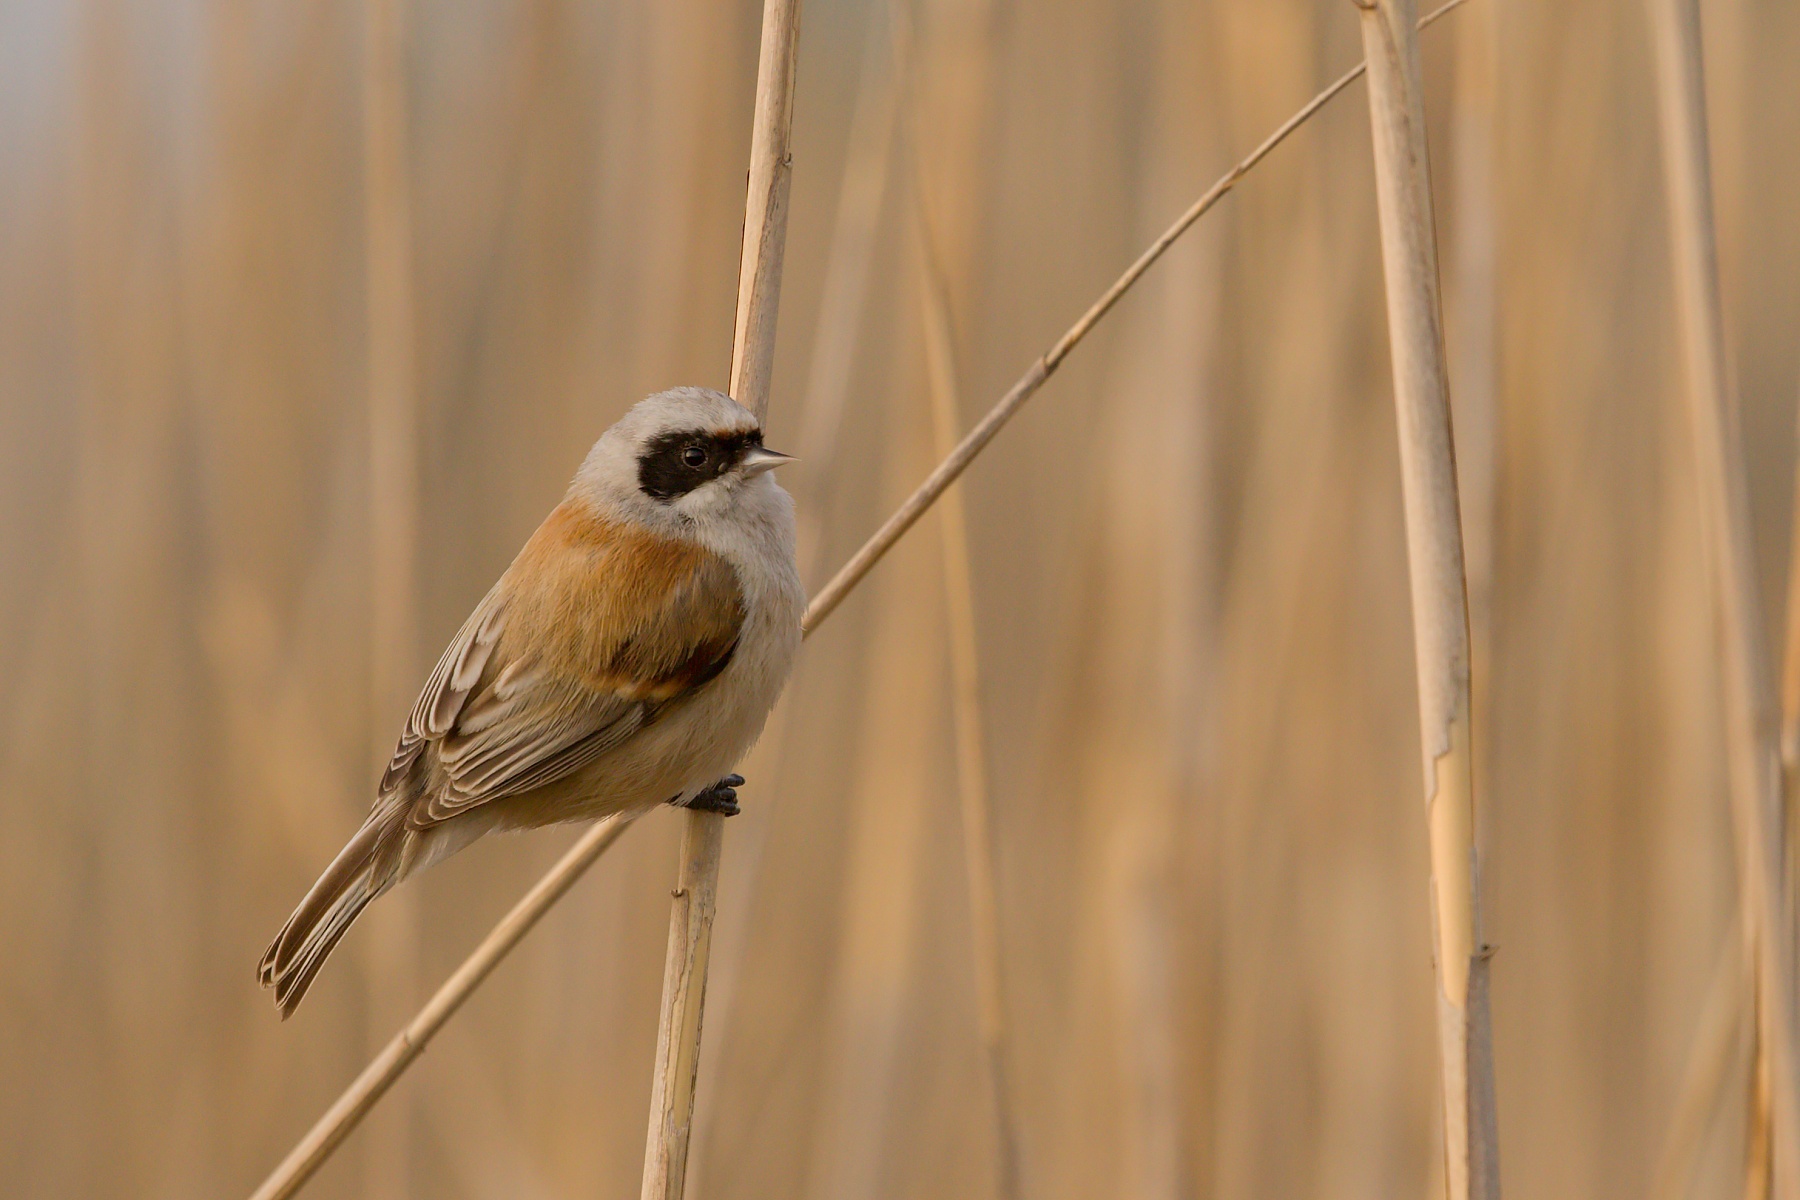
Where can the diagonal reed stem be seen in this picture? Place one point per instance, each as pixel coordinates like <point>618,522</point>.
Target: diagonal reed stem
<point>363,1093</point>
<point>368,1088</point>
<point>976,440</point>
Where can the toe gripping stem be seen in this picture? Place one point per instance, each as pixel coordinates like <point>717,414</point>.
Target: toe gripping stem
<point>721,797</point>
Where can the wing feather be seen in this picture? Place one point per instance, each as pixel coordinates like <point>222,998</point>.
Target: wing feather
<point>592,632</point>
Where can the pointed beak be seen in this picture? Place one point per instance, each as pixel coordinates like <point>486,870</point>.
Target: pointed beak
<point>758,459</point>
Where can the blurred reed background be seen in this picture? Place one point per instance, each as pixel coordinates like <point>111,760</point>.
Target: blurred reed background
<point>1188,579</point>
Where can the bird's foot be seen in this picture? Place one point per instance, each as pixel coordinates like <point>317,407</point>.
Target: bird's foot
<point>721,797</point>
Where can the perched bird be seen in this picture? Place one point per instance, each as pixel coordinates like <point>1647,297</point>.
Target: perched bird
<point>628,657</point>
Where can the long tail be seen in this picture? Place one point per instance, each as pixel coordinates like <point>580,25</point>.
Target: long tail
<point>364,869</point>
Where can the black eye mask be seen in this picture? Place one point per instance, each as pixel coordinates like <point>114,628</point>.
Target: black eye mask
<point>665,472</point>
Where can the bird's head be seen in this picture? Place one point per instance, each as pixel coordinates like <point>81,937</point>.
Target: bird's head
<point>685,455</point>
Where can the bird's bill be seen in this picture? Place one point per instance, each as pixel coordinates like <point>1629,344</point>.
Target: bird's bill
<point>758,459</point>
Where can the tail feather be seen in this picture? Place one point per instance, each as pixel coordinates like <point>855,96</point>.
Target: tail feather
<point>363,870</point>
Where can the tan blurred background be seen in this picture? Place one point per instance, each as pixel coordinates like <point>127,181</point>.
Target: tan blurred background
<point>1188,573</point>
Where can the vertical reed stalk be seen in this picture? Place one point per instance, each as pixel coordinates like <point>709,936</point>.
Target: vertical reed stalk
<point>1475,374</point>
<point>703,833</point>
<point>1753,754</point>
<point>849,262</point>
<point>393,519</point>
<point>1790,794</point>
<point>1790,726</point>
<point>1759,1158</point>
<point>979,858</point>
<point>1790,705</point>
<point>1719,1041</point>
<point>862,188</point>
<point>980,861</point>
<point>367,1089</point>
<point>1435,558</point>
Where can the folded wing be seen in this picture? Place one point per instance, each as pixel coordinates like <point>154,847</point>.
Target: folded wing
<point>592,632</point>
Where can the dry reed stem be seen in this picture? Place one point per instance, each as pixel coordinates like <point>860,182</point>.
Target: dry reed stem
<point>398,1054</point>
<point>1718,1040</point>
<point>766,208</point>
<point>848,264</point>
<point>392,952</point>
<point>1753,753</point>
<point>375,1079</point>
<point>703,833</point>
<point>683,1003</point>
<point>1790,748</point>
<point>1475,371</point>
<point>1789,745</point>
<point>843,297</point>
<point>1759,1141</point>
<point>954,464</point>
<point>1475,289</point>
<point>1790,708</point>
<point>1439,597</point>
<point>976,798</point>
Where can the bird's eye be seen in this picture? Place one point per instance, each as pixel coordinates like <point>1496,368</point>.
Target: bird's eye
<point>694,456</point>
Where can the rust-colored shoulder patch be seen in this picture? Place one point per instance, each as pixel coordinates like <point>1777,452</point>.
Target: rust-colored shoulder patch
<point>621,607</point>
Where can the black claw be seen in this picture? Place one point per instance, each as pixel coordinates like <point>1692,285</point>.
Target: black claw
<point>721,797</point>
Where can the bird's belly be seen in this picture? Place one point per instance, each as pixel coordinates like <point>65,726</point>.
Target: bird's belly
<point>690,746</point>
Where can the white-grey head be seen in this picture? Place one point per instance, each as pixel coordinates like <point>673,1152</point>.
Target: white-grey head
<point>688,455</point>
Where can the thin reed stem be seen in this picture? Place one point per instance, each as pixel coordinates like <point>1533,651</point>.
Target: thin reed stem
<point>362,1095</point>
<point>977,807</point>
<point>1474,295</point>
<point>843,297</point>
<point>1759,1156</point>
<point>1439,588</point>
<point>1751,732</point>
<point>375,1079</point>
<point>703,833</point>
<point>975,796</point>
<point>972,444</point>
<point>849,263</point>
<point>391,950</point>
<point>1790,756</point>
<point>1719,1040</point>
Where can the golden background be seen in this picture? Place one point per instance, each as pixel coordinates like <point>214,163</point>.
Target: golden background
<point>1188,563</point>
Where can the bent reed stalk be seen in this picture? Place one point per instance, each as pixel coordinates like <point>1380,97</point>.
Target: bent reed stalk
<point>380,1074</point>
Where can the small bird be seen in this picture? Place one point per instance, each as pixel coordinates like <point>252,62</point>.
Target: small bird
<point>628,657</point>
